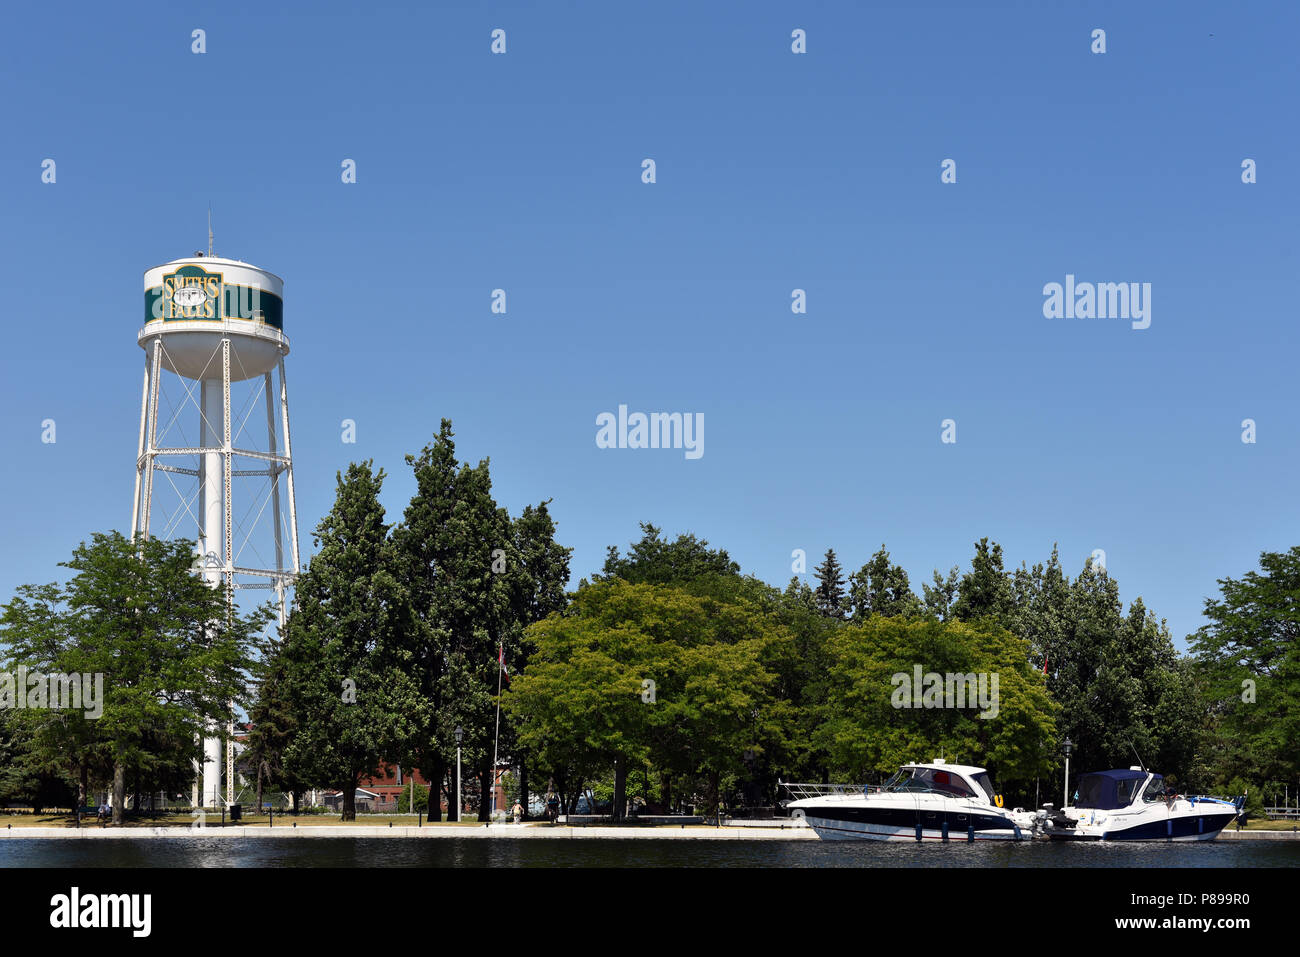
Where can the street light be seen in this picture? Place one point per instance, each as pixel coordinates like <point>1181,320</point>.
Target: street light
<point>460,734</point>
<point>1068,745</point>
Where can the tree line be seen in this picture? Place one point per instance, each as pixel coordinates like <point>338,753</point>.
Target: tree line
<point>670,678</point>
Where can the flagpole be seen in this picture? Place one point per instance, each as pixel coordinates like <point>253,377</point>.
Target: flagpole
<point>497,738</point>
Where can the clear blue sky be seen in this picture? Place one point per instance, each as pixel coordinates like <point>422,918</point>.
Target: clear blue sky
<point>775,172</point>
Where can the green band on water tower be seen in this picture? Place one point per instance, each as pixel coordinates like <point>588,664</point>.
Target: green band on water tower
<point>194,293</point>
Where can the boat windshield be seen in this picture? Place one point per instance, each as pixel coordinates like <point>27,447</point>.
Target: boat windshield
<point>1155,790</point>
<point>898,781</point>
<point>982,779</point>
<point>932,780</point>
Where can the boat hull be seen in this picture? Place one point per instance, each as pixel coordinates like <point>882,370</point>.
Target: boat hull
<point>905,824</point>
<point>1182,827</point>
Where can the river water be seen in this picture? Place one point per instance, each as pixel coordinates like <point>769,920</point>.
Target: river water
<point>543,852</point>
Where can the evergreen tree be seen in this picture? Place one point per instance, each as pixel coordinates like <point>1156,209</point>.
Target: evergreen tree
<point>1096,690</point>
<point>544,564</point>
<point>538,588</point>
<point>881,588</point>
<point>1040,597</point>
<point>1169,713</point>
<point>940,597</point>
<point>831,597</point>
<point>425,542</point>
<point>985,591</point>
<point>800,594</point>
<point>272,726</point>
<point>477,578</point>
<point>20,780</point>
<point>353,693</point>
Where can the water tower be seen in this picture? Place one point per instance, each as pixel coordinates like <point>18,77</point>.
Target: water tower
<point>215,463</point>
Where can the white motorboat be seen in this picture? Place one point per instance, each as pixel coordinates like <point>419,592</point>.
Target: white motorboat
<point>922,802</point>
<point>1135,805</point>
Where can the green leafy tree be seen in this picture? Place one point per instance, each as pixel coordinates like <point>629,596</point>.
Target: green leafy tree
<point>1247,659</point>
<point>642,674</point>
<point>690,564</point>
<point>867,728</point>
<point>172,653</point>
<point>421,800</point>
<point>42,744</point>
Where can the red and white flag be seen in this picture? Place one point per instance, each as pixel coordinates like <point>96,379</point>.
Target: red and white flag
<point>501,660</point>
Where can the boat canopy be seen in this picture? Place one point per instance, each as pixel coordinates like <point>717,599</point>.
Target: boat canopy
<point>1109,790</point>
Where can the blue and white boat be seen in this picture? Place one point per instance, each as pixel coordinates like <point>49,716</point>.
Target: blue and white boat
<point>1135,805</point>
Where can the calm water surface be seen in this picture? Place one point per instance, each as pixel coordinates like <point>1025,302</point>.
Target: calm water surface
<point>540,852</point>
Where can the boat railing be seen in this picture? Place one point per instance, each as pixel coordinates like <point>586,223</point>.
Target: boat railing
<point>800,790</point>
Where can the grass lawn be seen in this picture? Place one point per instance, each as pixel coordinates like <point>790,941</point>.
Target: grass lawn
<point>1265,825</point>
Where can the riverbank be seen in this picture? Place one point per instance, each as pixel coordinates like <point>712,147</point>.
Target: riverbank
<point>480,832</point>
<point>1261,835</point>
<point>429,831</point>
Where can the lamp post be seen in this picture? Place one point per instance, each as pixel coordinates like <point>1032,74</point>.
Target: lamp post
<point>1068,745</point>
<point>460,734</point>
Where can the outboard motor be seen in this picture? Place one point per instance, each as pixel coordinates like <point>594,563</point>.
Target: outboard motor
<point>1049,818</point>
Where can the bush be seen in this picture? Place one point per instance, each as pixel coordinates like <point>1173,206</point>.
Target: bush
<point>1254,798</point>
<point>421,800</point>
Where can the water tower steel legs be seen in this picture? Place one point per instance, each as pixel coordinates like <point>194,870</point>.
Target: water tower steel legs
<point>148,451</point>
<point>288,469</point>
<point>228,458</point>
<point>212,514</point>
<point>139,458</point>
<point>215,518</point>
<point>275,468</point>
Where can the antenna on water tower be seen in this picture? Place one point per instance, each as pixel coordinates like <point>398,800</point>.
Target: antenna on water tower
<point>209,230</point>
